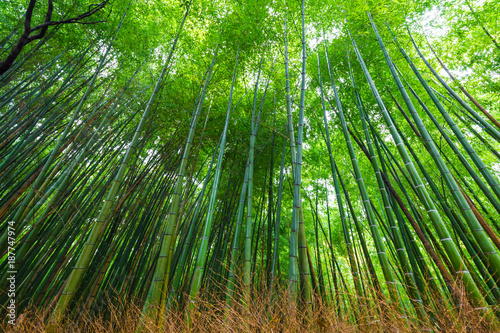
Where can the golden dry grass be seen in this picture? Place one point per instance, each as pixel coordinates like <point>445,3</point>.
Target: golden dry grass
<point>262,315</point>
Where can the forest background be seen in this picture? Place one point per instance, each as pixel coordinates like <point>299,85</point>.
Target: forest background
<point>218,164</point>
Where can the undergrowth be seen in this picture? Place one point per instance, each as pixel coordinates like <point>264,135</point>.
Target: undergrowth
<point>264,314</point>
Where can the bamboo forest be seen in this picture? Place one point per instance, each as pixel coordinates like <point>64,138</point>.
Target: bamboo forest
<point>250,166</point>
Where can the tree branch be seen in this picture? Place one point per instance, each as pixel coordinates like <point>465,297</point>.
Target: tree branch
<point>27,38</point>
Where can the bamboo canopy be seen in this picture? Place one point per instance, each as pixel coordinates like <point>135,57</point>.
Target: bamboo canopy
<point>182,153</point>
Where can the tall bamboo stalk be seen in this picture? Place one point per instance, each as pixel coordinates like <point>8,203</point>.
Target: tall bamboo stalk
<point>85,257</point>
<point>202,252</point>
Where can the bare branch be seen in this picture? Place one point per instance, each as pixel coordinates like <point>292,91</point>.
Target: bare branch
<point>27,38</point>
<point>75,19</point>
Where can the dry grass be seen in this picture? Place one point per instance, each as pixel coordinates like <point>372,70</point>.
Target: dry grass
<point>262,315</point>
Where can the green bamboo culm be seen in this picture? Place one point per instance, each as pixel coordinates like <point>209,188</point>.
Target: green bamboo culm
<point>444,236</point>
<point>158,289</point>
<point>30,199</point>
<point>338,195</point>
<point>303,252</point>
<point>465,209</point>
<point>85,257</point>
<point>203,247</point>
<point>235,250</point>
<point>276,262</point>
<point>477,230</point>
<point>371,219</point>
<point>483,169</point>
<point>490,129</point>
<point>247,253</point>
<point>293,246</point>
<point>396,233</point>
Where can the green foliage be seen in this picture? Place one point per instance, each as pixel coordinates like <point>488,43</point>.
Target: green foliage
<point>35,110</point>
